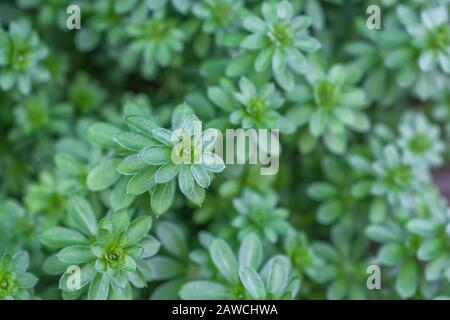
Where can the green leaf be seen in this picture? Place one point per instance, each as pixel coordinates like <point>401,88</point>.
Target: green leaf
<point>151,246</point>
<point>185,179</point>
<point>391,254</point>
<point>141,124</point>
<point>122,293</point>
<point>321,191</point>
<point>102,134</point>
<point>200,175</point>
<point>203,290</point>
<point>156,155</point>
<point>239,65</point>
<point>119,198</point>
<point>381,233</point>
<point>430,249</point>
<point>212,162</point>
<point>138,229</point>
<point>80,213</point>
<point>162,197</point>
<point>165,136</point>
<point>277,277</point>
<point>221,99</point>
<point>53,266</point>
<point>378,209</point>
<point>99,288</point>
<point>103,175</point>
<point>131,165</point>
<point>421,227</point>
<point>166,172</point>
<point>60,237</point>
<point>21,261</point>
<point>180,113</point>
<point>251,251</point>
<point>336,143</point>
<point>254,42</point>
<point>76,254</point>
<point>278,61</point>
<point>133,141</point>
<point>318,123</point>
<point>224,260</point>
<point>124,6</point>
<point>197,195</point>
<point>329,211</point>
<point>164,268</point>
<point>252,282</point>
<point>264,59</point>
<point>407,280</point>
<point>26,280</point>
<point>142,181</point>
<point>173,239</point>
<point>338,289</point>
<point>254,24</point>
<point>129,264</point>
<point>285,79</point>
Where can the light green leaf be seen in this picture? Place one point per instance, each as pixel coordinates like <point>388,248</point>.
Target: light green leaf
<point>251,251</point>
<point>224,260</point>
<point>156,155</point>
<point>221,99</point>
<point>200,175</point>
<point>103,175</point>
<point>166,172</point>
<point>102,134</point>
<point>140,124</point>
<point>119,198</point>
<point>99,288</point>
<point>81,213</point>
<point>59,237</point>
<point>162,197</point>
<point>173,239</point>
<point>76,254</point>
<point>203,290</point>
<point>252,282</point>
<point>138,229</point>
<point>407,280</point>
<point>186,180</point>
<point>133,141</point>
<point>142,181</point>
<point>131,165</point>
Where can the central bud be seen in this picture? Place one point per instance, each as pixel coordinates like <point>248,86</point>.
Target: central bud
<point>4,282</point>
<point>419,144</point>
<point>187,154</point>
<point>440,38</point>
<point>280,33</point>
<point>113,255</point>
<point>326,94</point>
<point>400,176</point>
<point>157,29</point>
<point>255,107</point>
<point>221,13</point>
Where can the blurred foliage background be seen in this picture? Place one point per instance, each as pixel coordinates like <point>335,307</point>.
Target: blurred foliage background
<point>364,119</point>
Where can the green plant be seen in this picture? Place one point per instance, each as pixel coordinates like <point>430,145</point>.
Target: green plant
<point>21,57</point>
<point>122,142</point>
<point>109,254</point>
<point>244,278</point>
<point>15,281</point>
